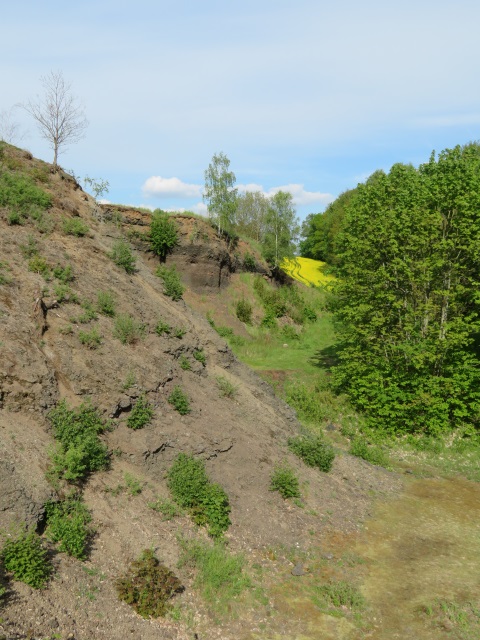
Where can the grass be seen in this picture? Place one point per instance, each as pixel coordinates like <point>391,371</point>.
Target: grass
<point>220,575</point>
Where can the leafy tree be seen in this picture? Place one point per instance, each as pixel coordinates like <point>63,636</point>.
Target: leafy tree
<point>281,229</point>
<point>250,215</point>
<point>59,117</point>
<point>163,234</point>
<point>220,193</point>
<point>406,300</point>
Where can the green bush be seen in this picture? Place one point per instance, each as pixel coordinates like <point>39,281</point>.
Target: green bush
<point>290,333</point>
<point>285,481</point>
<point>123,257</point>
<point>148,586</point>
<point>249,262</point>
<point>269,320</point>
<point>179,400</point>
<point>200,356</point>
<point>20,193</point>
<point>134,486</point>
<point>91,339</point>
<point>38,264</point>
<point>244,311</point>
<point>64,274</point>
<point>371,453</point>
<point>141,414</point>
<point>14,218</point>
<point>75,227</point>
<point>172,284</point>
<point>106,303</point>
<point>162,327</point>
<point>179,332</point>
<point>26,558</point>
<point>127,329</point>
<point>79,450</point>
<point>342,594</point>
<point>313,450</point>
<point>163,234</point>
<point>190,487</point>
<point>67,523</point>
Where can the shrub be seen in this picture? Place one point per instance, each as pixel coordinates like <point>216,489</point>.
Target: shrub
<point>80,450</point>
<point>75,227</point>
<point>141,414</point>
<point>14,218</point>
<point>199,355</point>
<point>123,257</point>
<point>313,450</point>
<point>148,586</point>
<point>190,487</point>
<point>227,389</point>
<point>244,310</point>
<point>64,274</point>
<point>88,314</point>
<point>172,285</point>
<point>20,193</point>
<point>371,453</point>
<point>184,363</point>
<point>249,262</point>
<point>179,332</point>
<point>31,248</point>
<point>127,329</point>
<point>106,303</point>
<point>38,264</point>
<point>290,333</point>
<point>269,320</point>
<point>179,400</point>
<point>163,234</point>
<point>67,523</point>
<point>91,339</point>
<point>134,486</point>
<point>162,327</point>
<point>285,481</point>
<point>26,558</point>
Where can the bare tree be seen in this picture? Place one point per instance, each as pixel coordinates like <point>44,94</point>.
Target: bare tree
<point>10,129</point>
<point>60,118</point>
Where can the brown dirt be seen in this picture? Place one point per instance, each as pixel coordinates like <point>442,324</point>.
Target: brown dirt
<point>240,439</point>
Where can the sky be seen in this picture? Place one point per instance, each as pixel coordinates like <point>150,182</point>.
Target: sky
<point>307,96</point>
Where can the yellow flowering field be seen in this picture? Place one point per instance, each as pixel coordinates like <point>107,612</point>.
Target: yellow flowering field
<point>306,270</point>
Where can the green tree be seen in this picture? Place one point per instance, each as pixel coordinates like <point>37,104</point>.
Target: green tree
<point>163,234</point>
<point>406,300</point>
<point>219,192</point>
<point>281,229</point>
<point>250,215</point>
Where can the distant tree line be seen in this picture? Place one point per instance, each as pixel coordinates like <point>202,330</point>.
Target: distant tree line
<point>405,246</point>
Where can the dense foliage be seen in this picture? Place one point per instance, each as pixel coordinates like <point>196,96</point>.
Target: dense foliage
<point>163,233</point>
<point>68,523</point>
<point>407,296</point>
<point>27,559</point>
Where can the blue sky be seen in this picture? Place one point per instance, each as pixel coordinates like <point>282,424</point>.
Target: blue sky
<point>308,96</point>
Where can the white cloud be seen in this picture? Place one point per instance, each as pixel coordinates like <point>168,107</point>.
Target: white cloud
<point>170,188</point>
<point>200,208</point>
<point>300,195</point>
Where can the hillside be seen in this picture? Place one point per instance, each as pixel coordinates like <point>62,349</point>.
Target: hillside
<point>59,341</point>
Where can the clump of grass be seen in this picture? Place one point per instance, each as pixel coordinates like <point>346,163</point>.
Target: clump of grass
<point>220,575</point>
<point>190,487</point>
<point>141,414</point>
<point>127,329</point>
<point>91,339</point>
<point>285,481</point>
<point>38,264</point>
<point>148,586</point>
<point>244,310</point>
<point>75,227</point>
<point>226,388</point>
<point>31,248</point>
<point>371,453</point>
<point>4,278</point>
<point>106,303</point>
<point>200,356</point>
<point>172,284</point>
<point>134,486</point>
<point>179,400</point>
<point>19,193</point>
<point>68,523</point>
<point>27,559</point>
<point>167,508</point>
<point>89,313</point>
<point>341,594</point>
<point>64,274</point>
<point>123,257</point>
<point>184,363</point>
<point>130,380</point>
<point>313,450</point>
<point>162,327</point>
<point>179,332</point>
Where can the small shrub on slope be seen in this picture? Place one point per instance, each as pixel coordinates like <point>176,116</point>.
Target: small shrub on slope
<point>123,257</point>
<point>172,285</point>
<point>285,482</point>
<point>141,414</point>
<point>67,523</point>
<point>244,311</point>
<point>26,558</point>
<point>148,586</point>
<point>179,400</point>
<point>127,329</point>
<point>313,450</point>
<point>163,234</point>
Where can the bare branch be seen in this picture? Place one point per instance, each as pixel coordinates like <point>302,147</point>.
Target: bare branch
<point>59,117</point>
<point>10,130</point>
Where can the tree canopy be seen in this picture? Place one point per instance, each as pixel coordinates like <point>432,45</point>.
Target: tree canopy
<point>407,297</point>
<point>219,192</point>
<point>281,229</point>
